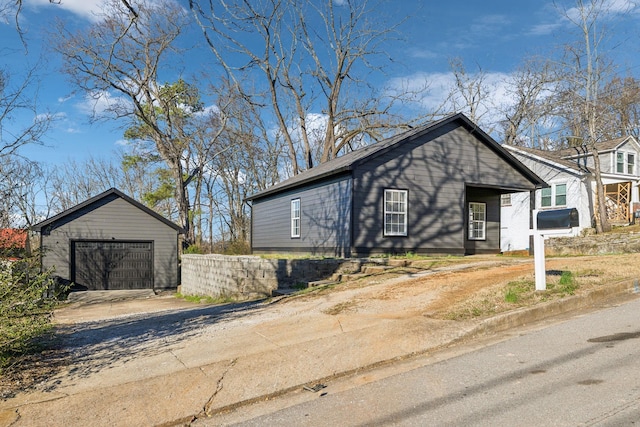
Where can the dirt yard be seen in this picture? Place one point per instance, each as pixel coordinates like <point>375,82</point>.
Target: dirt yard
<point>462,288</point>
<point>442,289</point>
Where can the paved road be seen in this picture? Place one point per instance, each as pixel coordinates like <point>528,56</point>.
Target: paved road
<point>584,371</point>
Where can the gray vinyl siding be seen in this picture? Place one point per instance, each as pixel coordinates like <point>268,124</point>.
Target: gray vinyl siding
<point>325,218</point>
<point>435,171</point>
<point>112,219</point>
<point>491,198</point>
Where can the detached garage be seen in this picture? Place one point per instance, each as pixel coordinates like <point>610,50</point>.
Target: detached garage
<point>111,242</point>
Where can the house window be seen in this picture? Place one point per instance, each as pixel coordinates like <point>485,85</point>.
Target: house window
<point>505,199</point>
<point>395,212</point>
<point>477,221</point>
<point>295,218</point>
<point>620,162</point>
<point>545,197</point>
<point>561,194</point>
<point>625,163</point>
<point>556,195</point>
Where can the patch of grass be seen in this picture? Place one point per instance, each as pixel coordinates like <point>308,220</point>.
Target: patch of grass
<point>206,299</point>
<point>566,285</point>
<point>343,307</point>
<point>518,290</point>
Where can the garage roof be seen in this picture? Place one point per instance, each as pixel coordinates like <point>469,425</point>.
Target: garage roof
<point>107,196</point>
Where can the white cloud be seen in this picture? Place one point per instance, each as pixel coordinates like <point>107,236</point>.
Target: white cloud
<point>88,9</point>
<point>98,103</point>
<point>439,86</point>
<point>62,100</point>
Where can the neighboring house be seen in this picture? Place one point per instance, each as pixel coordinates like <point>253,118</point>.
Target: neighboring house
<point>111,242</point>
<point>572,185</point>
<point>432,190</point>
<point>14,243</point>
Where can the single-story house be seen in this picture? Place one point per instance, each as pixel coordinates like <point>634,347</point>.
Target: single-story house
<point>111,241</point>
<point>569,173</point>
<point>431,190</point>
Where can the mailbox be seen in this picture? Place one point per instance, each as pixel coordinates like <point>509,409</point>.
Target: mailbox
<point>558,218</point>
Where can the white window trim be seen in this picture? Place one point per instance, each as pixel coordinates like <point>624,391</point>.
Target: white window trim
<point>296,213</point>
<point>505,200</point>
<point>554,195</point>
<point>404,213</point>
<point>625,162</point>
<point>472,221</point>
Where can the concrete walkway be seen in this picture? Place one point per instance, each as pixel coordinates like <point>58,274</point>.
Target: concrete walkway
<point>157,360</point>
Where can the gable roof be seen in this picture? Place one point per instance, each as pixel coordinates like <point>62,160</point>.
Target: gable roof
<point>350,161</point>
<point>111,193</point>
<point>552,157</point>
<point>574,157</point>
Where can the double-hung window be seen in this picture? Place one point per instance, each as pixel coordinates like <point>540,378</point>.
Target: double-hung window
<point>295,218</point>
<point>556,195</point>
<point>561,194</point>
<point>477,221</point>
<point>395,212</point>
<point>625,162</point>
<point>620,162</point>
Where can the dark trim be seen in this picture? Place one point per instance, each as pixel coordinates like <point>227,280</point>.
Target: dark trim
<point>87,203</point>
<point>250,229</point>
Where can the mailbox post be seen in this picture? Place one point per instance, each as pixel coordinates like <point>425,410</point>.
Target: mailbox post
<point>557,222</point>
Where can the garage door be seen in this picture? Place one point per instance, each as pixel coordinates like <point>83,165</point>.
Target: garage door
<point>99,265</point>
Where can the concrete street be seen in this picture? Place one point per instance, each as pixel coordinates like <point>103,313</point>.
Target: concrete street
<point>156,360</point>
<point>583,371</point>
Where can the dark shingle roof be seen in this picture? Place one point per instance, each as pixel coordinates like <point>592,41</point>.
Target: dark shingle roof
<point>113,192</point>
<point>349,161</point>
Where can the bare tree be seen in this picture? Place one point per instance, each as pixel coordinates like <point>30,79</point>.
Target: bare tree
<point>531,89</point>
<point>314,58</point>
<point>18,176</point>
<point>22,186</point>
<point>122,53</point>
<point>20,99</point>
<point>586,69</point>
<point>69,188</point>
<point>469,93</point>
<point>620,107</point>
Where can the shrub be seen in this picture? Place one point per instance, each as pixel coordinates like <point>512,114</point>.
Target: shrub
<point>193,249</point>
<point>26,305</point>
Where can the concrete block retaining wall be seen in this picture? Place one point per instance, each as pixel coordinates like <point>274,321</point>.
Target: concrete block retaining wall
<point>248,276</point>
<point>595,244</point>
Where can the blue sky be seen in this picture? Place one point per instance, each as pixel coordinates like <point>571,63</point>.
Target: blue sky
<point>495,35</point>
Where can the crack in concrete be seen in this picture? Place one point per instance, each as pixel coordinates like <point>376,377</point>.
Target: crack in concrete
<point>219,387</point>
<point>178,359</point>
<point>268,339</point>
